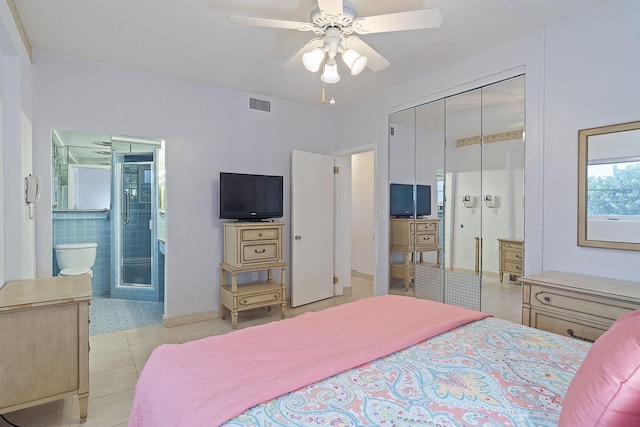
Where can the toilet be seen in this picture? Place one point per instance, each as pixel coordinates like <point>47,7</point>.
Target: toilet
<point>75,258</point>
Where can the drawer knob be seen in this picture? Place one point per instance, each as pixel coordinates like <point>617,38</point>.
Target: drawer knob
<point>547,299</point>
<point>260,252</point>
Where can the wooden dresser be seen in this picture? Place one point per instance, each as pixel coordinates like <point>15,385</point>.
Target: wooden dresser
<point>511,258</point>
<point>44,341</point>
<point>251,247</point>
<point>576,305</point>
<point>411,236</point>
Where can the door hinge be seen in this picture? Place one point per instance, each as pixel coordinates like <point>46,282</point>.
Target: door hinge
<point>335,279</point>
<point>336,169</point>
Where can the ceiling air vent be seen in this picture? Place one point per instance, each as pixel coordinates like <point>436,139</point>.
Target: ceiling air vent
<point>260,105</point>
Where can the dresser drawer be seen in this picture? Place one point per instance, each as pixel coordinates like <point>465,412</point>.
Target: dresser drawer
<point>261,234</point>
<point>264,252</point>
<point>511,256</point>
<point>609,309</point>
<point>567,326</point>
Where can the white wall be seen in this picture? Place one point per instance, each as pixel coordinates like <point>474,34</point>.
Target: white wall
<point>207,130</point>
<point>17,229</point>
<point>592,69</point>
<point>579,74</point>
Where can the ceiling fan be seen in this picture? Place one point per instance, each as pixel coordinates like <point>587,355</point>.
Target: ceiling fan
<point>335,22</point>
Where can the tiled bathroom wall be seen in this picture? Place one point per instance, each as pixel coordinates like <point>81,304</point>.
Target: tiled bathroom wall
<point>86,227</point>
<point>95,226</point>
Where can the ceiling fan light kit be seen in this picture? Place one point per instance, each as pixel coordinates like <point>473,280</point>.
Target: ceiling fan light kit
<point>354,61</point>
<point>330,74</point>
<point>313,59</point>
<point>335,22</point>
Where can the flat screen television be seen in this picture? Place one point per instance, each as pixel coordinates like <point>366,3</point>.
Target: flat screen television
<point>247,197</point>
<point>401,196</point>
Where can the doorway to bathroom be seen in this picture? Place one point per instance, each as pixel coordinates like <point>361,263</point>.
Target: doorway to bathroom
<point>110,190</point>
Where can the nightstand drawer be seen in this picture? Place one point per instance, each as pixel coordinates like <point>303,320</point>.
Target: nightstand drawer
<point>426,239</point>
<point>260,252</point>
<point>426,226</point>
<point>512,245</point>
<point>259,299</point>
<point>402,271</point>
<point>513,268</point>
<point>262,234</point>
<point>513,256</point>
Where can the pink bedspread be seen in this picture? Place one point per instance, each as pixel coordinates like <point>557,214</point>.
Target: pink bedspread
<point>209,381</point>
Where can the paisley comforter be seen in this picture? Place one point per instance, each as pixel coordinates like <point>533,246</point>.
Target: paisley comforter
<point>486,373</point>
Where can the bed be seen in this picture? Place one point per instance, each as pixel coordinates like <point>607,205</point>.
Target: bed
<point>380,361</point>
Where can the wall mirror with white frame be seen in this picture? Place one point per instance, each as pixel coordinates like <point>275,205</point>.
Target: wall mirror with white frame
<point>469,148</point>
<point>608,189</point>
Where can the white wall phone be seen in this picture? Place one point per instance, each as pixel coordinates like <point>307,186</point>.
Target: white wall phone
<point>31,192</point>
<point>32,188</point>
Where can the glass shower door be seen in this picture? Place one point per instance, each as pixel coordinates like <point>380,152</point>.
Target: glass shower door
<point>136,183</point>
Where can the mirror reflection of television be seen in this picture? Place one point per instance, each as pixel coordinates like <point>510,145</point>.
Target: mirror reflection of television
<point>401,196</point>
<point>247,197</point>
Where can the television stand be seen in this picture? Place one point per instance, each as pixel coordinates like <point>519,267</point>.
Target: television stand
<point>250,247</point>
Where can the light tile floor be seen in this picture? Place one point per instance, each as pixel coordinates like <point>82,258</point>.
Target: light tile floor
<point>111,315</point>
<point>117,358</point>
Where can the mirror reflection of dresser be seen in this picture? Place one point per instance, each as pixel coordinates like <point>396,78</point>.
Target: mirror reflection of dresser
<point>511,253</point>
<point>412,236</point>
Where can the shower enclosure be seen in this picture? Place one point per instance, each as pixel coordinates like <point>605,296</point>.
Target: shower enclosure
<point>134,207</point>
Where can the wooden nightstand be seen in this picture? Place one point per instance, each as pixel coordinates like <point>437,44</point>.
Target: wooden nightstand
<point>249,247</point>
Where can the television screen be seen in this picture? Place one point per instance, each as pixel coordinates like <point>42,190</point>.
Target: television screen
<point>401,196</point>
<point>250,197</point>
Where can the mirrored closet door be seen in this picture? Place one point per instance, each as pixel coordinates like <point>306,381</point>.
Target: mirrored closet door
<point>464,154</point>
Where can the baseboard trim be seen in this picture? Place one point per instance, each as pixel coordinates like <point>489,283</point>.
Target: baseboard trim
<point>363,275</point>
<point>169,322</point>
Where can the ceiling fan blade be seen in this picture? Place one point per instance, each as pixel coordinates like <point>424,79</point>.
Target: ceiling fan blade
<point>271,23</point>
<point>331,7</point>
<point>375,61</point>
<point>296,60</point>
<point>401,21</point>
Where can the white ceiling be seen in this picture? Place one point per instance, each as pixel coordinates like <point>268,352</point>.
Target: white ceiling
<point>191,39</point>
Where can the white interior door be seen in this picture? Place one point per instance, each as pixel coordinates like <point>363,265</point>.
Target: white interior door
<point>342,261</point>
<point>311,227</point>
